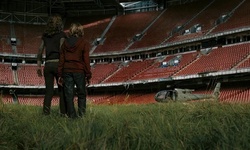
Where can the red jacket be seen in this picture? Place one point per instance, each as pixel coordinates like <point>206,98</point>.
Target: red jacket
<point>74,57</point>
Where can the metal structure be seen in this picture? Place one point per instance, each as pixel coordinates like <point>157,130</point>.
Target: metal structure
<point>37,11</point>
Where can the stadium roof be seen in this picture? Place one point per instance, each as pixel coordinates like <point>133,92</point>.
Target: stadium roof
<point>89,7</point>
<point>38,10</point>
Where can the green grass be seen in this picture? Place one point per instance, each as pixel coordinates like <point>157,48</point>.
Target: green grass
<point>199,125</point>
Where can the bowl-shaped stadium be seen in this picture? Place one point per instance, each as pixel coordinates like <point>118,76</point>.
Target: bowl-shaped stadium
<point>137,48</point>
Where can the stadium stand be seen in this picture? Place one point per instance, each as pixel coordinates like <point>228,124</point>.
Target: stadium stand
<point>245,63</point>
<point>236,94</point>
<point>7,99</point>
<point>230,94</point>
<point>232,55</point>
<point>124,98</point>
<point>206,20</point>
<point>128,70</point>
<point>27,75</point>
<point>94,30</point>
<point>101,71</point>
<point>238,19</point>
<point>98,98</point>
<point>172,18</point>
<point>5,45</point>
<point>6,77</point>
<point>158,70</point>
<point>19,34</point>
<point>35,100</point>
<point>122,32</point>
<point>28,37</point>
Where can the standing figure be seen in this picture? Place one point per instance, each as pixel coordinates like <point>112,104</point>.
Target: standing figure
<point>52,39</point>
<point>74,69</point>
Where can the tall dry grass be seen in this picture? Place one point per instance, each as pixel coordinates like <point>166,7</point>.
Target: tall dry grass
<point>199,125</point>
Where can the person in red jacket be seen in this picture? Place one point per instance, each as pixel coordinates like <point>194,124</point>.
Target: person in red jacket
<point>74,69</point>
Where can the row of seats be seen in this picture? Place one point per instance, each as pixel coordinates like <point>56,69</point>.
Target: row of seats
<point>28,74</point>
<point>231,94</point>
<point>123,30</point>
<point>129,70</point>
<point>124,98</point>
<point>239,19</point>
<point>159,71</point>
<point>6,76</point>
<point>5,46</point>
<point>170,19</point>
<point>227,95</point>
<point>28,37</point>
<point>34,100</point>
<point>194,62</point>
<point>206,19</point>
<point>102,70</point>
<point>223,58</point>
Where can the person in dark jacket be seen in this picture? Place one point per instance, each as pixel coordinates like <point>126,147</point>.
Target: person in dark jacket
<point>52,39</point>
<point>74,69</point>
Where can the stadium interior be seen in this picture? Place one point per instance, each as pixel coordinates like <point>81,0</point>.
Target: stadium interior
<point>138,47</point>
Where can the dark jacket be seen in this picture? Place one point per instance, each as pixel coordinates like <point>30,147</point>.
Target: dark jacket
<point>52,44</point>
<point>74,56</point>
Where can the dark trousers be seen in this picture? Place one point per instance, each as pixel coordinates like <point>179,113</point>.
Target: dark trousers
<point>51,73</point>
<point>70,80</point>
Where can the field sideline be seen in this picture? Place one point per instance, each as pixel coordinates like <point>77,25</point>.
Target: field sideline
<point>191,125</point>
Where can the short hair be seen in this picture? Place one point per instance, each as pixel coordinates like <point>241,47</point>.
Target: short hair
<point>76,29</point>
<point>54,25</point>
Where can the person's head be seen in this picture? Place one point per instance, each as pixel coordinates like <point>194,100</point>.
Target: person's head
<point>76,30</point>
<point>54,25</point>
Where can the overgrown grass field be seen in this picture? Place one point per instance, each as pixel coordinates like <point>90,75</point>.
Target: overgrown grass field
<point>193,125</point>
